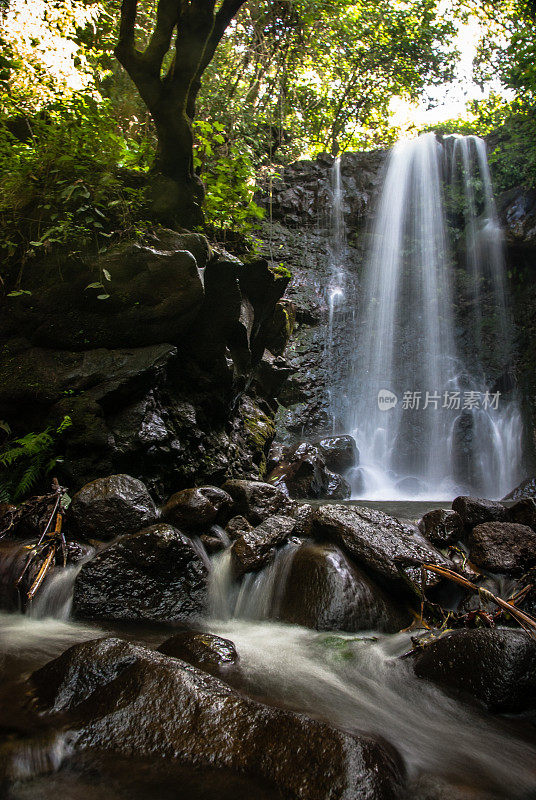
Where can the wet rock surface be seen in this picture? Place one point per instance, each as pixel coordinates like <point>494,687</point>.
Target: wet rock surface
<point>325,591</point>
<point>386,548</point>
<point>526,488</point>
<point>254,549</point>
<point>496,667</point>
<point>302,473</point>
<point>153,575</point>
<point>255,500</point>
<point>442,527</point>
<point>339,452</point>
<point>503,547</point>
<point>475,510</point>
<point>203,650</point>
<point>523,512</point>
<point>112,506</point>
<point>123,699</point>
<point>194,509</point>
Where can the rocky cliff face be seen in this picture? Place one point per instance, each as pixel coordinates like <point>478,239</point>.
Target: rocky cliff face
<point>165,377</point>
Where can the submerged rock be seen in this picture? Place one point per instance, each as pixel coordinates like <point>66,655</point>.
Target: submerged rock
<point>112,506</point>
<point>256,500</point>
<point>255,548</point>
<point>496,667</point>
<point>388,549</point>
<point>442,527</point>
<point>503,547</point>
<point>325,591</point>
<point>195,509</point>
<point>122,698</point>
<point>475,510</point>
<point>155,574</point>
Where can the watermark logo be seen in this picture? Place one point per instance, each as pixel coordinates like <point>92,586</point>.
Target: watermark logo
<point>386,400</point>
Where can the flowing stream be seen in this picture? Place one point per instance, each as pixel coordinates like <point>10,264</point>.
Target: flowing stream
<point>355,681</point>
<point>430,398</point>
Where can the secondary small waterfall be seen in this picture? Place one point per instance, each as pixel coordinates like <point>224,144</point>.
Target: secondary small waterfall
<point>427,404</point>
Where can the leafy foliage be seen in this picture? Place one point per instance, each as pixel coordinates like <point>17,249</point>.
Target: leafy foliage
<point>27,459</point>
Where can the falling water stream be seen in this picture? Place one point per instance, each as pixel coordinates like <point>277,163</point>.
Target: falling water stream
<point>434,340</point>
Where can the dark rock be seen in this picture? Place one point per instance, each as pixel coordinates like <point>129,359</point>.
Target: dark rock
<point>155,574</point>
<point>524,512</point>
<point>474,511</point>
<point>442,527</point>
<point>388,549</point>
<point>279,329</point>
<point>503,547</point>
<point>256,500</point>
<point>195,509</point>
<point>212,544</point>
<point>497,666</point>
<point>255,548</point>
<point>237,526</point>
<point>112,506</point>
<point>339,452</point>
<point>203,650</point>
<point>126,699</point>
<point>324,591</point>
<point>303,474</point>
<point>526,488</point>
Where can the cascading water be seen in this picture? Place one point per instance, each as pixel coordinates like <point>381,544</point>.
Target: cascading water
<point>434,338</point>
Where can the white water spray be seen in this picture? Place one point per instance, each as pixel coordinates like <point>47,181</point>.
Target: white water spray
<point>425,324</point>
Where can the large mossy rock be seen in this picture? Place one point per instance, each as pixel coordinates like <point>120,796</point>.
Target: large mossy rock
<point>153,575</point>
<point>325,591</point>
<point>125,699</point>
<point>496,667</point>
<point>386,548</point>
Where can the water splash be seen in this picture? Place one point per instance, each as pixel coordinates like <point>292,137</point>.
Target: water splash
<point>435,331</point>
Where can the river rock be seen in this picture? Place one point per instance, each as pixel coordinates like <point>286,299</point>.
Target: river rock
<point>325,591</point>
<point>475,510</point>
<point>195,509</point>
<point>503,547</point>
<point>153,575</point>
<point>112,506</point>
<point>256,500</point>
<point>203,650</point>
<point>442,527</point>
<point>237,526</point>
<point>339,452</point>
<point>495,666</point>
<point>524,512</point>
<point>386,548</point>
<point>255,548</point>
<point>124,699</point>
<point>526,488</point>
<point>303,473</point>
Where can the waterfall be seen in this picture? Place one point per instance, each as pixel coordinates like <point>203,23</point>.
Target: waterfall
<point>434,339</point>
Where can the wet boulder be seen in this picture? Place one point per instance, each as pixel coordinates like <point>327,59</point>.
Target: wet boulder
<point>237,526</point>
<point>497,666</point>
<point>475,510</point>
<point>325,591</point>
<point>388,549</point>
<point>256,501</point>
<point>526,488</point>
<point>203,650</point>
<point>153,575</point>
<point>442,527</point>
<point>524,512</point>
<point>112,506</point>
<point>302,473</point>
<point>503,547</point>
<point>123,699</point>
<point>339,452</point>
<point>255,548</point>
<point>197,509</point>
